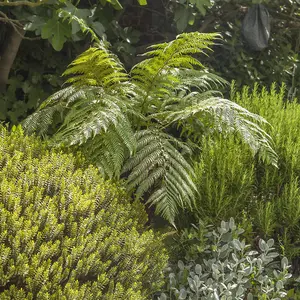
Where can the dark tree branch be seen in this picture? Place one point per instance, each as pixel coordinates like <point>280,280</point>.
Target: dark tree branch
<point>23,3</point>
<point>9,53</point>
<point>17,26</point>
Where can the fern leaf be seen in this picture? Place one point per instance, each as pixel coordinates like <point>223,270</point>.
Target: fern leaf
<point>226,116</point>
<point>86,120</point>
<point>108,151</point>
<point>153,74</point>
<point>157,163</point>
<point>201,80</point>
<point>96,67</point>
<point>40,121</point>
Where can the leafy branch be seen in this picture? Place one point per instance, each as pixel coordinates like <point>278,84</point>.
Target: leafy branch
<point>17,26</point>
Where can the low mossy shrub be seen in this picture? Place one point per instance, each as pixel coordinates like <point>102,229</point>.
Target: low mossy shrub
<point>228,269</point>
<point>67,234</point>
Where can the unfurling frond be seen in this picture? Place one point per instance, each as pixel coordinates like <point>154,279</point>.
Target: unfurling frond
<point>159,165</point>
<point>96,67</point>
<point>223,115</point>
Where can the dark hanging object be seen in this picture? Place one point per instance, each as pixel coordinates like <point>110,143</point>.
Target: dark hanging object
<point>256,27</point>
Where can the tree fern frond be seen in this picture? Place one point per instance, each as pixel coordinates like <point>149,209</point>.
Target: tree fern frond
<point>96,67</point>
<point>108,151</point>
<point>153,75</point>
<point>59,102</point>
<point>201,80</point>
<point>157,161</point>
<point>40,121</point>
<point>224,115</point>
<point>163,198</point>
<point>86,120</point>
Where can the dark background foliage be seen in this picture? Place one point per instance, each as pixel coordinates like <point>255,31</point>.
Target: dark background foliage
<point>36,71</point>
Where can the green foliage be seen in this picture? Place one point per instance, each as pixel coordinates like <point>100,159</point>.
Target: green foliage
<point>35,75</point>
<point>228,269</point>
<point>67,234</point>
<point>230,180</point>
<point>61,25</point>
<point>127,122</point>
<point>233,59</point>
<point>292,295</point>
<point>225,178</point>
<point>280,187</point>
<point>59,21</point>
<point>132,28</point>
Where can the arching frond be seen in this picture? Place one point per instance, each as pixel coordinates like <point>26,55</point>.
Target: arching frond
<point>96,67</point>
<point>85,120</point>
<point>108,151</point>
<point>60,102</point>
<point>201,80</point>
<point>153,74</point>
<point>225,116</point>
<point>158,165</point>
<point>40,121</point>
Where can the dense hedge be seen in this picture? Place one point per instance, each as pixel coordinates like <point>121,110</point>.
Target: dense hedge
<point>67,234</point>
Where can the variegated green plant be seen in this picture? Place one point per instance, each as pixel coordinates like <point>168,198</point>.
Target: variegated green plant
<point>228,269</point>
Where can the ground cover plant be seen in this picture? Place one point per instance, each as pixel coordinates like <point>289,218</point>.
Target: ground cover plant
<point>146,125</point>
<point>66,233</point>
<point>162,127</point>
<point>229,269</point>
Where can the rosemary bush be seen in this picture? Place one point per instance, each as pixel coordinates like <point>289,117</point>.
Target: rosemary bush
<point>230,180</point>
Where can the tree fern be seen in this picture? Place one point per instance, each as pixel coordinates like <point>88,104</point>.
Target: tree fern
<point>96,67</point>
<point>126,123</point>
<point>158,163</point>
<point>221,115</point>
<point>154,75</point>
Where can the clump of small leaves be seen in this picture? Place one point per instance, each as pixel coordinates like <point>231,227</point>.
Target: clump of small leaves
<point>65,233</point>
<point>228,269</point>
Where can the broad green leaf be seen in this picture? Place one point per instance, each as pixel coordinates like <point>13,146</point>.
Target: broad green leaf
<point>75,27</point>
<point>98,28</point>
<point>142,2</point>
<point>35,24</point>
<point>201,4</point>
<point>56,32</point>
<point>182,15</point>
<point>80,13</point>
<point>83,14</point>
